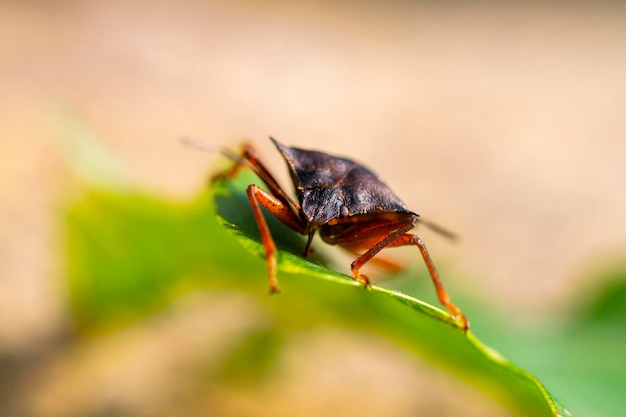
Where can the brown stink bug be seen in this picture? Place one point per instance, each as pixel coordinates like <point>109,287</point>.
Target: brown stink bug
<point>343,201</point>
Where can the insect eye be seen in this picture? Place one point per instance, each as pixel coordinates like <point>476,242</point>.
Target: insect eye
<point>343,212</point>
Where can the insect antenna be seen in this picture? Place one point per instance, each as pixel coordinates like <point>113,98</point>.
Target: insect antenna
<point>209,147</point>
<point>439,229</point>
<point>242,161</point>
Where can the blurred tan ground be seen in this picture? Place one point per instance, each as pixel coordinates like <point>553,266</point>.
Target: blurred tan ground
<point>504,123</point>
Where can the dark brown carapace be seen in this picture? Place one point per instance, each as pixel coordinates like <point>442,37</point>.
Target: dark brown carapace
<point>343,201</point>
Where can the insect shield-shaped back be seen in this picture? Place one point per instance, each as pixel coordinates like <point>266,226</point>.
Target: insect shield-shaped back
<point>330,187</point>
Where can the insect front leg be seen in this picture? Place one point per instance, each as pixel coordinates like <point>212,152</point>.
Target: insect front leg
<point>248,158</point>
<point>282,212</point>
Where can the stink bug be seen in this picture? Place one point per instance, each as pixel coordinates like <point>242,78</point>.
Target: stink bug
<point>343,201</point>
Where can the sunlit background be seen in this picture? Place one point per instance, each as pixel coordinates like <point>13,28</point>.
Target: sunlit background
<point>504,123</point>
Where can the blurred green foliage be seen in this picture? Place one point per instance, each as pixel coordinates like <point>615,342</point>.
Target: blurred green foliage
<point>609,304</point>
<point>131,255</point>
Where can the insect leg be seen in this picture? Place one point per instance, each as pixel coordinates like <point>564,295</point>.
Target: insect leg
<point>388,264</point>
<point>413,240</point>
<point>371,252</point>
<point>249,158</point>
<point>282,212</point>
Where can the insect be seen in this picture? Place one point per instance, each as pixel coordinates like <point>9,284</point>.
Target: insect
<point>341,200</point>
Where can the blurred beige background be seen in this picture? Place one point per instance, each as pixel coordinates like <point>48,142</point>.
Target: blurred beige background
<point>505,123</point>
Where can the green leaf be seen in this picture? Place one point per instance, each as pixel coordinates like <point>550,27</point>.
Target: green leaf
<point>130,255</point>
<point>315,294</point>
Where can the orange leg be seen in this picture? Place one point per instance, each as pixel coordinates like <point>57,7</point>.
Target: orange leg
<point>413,240</point>
<point>249,158</point>
<point>382,262</point>
<point>282,212</point>
<point>371,252</point>
<point>399,237</point>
